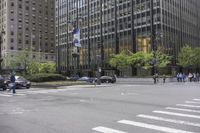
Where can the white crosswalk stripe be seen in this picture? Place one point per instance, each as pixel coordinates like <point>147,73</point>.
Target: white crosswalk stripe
<point>191,102</point>
<point>178,114</point>
<point>169,120</point>
<point>5,95</point>
<point>158,119</point>
<point>196,99</point>
<point>106,130</point>
<point>187,105</point>
<point>181,109</point>
<point>153,127</point>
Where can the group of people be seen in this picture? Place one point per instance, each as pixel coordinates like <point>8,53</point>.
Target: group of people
<point>156,78</point>
<point>192,77</point>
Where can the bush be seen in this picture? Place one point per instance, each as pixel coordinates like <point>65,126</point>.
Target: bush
<point>46,77</point>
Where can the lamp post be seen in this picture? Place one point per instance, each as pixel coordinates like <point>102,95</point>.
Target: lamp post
<point>1,42</point>
<point>153,46</point>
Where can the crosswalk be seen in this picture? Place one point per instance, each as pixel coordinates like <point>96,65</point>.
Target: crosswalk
<point>168,120</point>
<point>30,92</point>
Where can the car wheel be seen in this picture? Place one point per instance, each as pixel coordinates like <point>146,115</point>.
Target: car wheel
<point>27,87</point>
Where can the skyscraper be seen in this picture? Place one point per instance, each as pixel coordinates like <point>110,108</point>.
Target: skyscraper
<point>111,26</point>
<point>28,24</point>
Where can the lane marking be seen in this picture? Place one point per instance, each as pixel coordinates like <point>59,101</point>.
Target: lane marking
<point>6,95</point>
<point>177,114</point>
<point>106,130</point>
<point>169,120</point>
<point>153,127</point>
<point>196,99</point>
<point>19,94</point>
<point>192,102</point>
<point>187,105</point>
<point>180,109</point>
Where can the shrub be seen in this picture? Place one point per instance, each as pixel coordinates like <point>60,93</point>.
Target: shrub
<point>43,77</point>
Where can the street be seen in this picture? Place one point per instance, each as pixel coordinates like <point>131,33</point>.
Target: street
<point>108,108</point>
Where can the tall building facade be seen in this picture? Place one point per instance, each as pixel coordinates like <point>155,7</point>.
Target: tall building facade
<point>111,26</point>
<point>28,24</point>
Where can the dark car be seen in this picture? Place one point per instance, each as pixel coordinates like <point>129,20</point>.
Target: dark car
<point>20,81</point>
<point>107,79</point>
<point>2,83</point>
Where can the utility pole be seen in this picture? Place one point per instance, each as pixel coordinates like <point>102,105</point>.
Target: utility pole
<point>1,42</point>
<point>133,39</point>
<point>116,28</point>
<point>153,46</point>
<point>58,46</point>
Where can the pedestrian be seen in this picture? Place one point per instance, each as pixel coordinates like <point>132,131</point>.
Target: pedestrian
<point>177,77</point>
<point>190,76</point>
<point>198,76</point>
<point>184,77</point>
<point>164,78</point>
<point>154,78</point>
<point>157,77</point>
<point>12,82</point>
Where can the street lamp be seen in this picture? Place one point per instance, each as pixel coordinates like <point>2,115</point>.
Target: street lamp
<point>1,42</point>
<point>153,45</point>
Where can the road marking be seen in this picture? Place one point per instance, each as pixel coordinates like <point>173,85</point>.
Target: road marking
<point>177,114</point>
<point>187,105</point>
<point>153,127</point>
<point>18,94</point>
<point>106,130</point>
<point>169,120</point>
<point>196,99</point>
<point>180,109</point>
<point>6,95</point>
<point>126,94</point>
<point>192,102</point>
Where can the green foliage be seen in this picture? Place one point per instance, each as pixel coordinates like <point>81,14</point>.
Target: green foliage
<point>46,77</point>
<point>119,60</point>
<point>139,59</point>
<point>196,57</point>
<point>162,59</point>
<point>186,56</point>
<point>36,67</point>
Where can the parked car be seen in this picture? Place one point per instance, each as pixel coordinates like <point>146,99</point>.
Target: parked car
<point>20,81</point>
<point>107,79</point>
<point>74,78</point>
<point>2,83</point>
<point>87,79</point>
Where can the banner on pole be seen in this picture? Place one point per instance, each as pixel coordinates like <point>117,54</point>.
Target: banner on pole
<point>76,39</point>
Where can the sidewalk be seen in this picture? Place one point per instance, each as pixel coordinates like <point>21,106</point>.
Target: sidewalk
<point>142,80</point>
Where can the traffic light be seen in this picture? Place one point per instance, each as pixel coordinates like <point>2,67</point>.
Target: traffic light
<point>1,60</point>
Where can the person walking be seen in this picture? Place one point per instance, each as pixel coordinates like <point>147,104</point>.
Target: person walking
<point>190,76</point>
<point>12,82</point>
<point>164,78</point>
<point>154,78</point>
<point>197,74</point>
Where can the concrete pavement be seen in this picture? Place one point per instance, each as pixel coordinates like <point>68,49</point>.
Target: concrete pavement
<point>110,108</point>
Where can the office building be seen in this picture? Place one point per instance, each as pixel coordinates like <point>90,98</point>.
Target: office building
<point>111,26</point>
<point>28,24</point>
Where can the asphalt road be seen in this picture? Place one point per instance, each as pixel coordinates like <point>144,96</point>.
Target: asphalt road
<point>109,108</point>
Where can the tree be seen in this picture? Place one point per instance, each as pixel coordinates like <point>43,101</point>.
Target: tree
<point>186,56</point>
<point>139,59</point>
<point>196,57</point>
<point>119,61</point>
<point>161,59</point>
